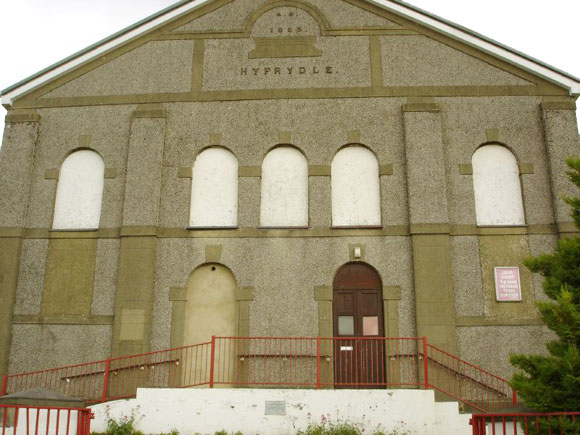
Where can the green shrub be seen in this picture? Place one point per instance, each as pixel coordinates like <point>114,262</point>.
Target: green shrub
<point>125,425</point>
<point>343,428</point>
<point>551,383</point>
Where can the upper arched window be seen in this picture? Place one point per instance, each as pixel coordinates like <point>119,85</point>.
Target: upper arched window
<point>284,189</point>
<point>214,189</point>
<point>355,188</point>
<point>79,194</point>
<point>496,183</point>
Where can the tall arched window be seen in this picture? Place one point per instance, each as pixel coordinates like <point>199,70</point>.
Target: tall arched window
<point>496,184</point>
<point>214,189</point>
<point>284,189</point>
<point>79,194</point>
<point>355,188</point>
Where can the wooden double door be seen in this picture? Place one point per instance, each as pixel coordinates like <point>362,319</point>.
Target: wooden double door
<point>359,345</point>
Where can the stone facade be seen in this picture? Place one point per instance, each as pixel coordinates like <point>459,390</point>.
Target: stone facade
<point>249,75</point>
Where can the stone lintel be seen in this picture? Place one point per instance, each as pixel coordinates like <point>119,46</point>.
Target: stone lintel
<point>386,169</point>
<point>465,169</point>
<point>492,134</point>
<point>421,104</point>
<point>150,111</point>
<point>319,170</point>
<point>51,174</point>
<point>185,173</point>
<point>323,293</point>
<point>558,105</point>
<point>353,136</point>
<point>215,138</point>
<point>110,173</point>
<point>249,171</point>
<point>526,168</point>
<point>496,321</point>
<point>213,253</point>
<point>178,294</point>
<point>16,116</point>
<point>430,229</point>
<point>285,137</point>
<point>245,294</point>
<point>391,292</point>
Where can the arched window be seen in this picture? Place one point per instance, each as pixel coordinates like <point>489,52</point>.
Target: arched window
<point>355,188</point>
<point>214,189</point>
<point>496,183</point>
<point>284,189</point>
<point>79,194</point>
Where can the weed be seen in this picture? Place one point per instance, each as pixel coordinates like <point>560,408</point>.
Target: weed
<point>125,425</point>
<point>344,428</point>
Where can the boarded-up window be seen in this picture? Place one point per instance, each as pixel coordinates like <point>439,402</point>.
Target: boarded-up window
<point>284,189</point>
<point>79,194</point>
<point>496,183</point>
<point>214,189</point>
<point>355,188</point>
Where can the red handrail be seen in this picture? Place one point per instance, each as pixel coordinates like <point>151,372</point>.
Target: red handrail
<point>4,385</point>
<point>320,362</point>
<point>425,363</point>
<point>469,384</point>
<point>529,423</point>
<point>35,420</point>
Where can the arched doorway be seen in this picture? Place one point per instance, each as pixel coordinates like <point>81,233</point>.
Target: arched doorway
<point>358,324</point>
<point>211,304</point>
<point>210,311</point>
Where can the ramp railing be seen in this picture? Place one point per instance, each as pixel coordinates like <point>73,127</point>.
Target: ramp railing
<point>278,362</point>
<point>39,420</point>
<point>466,382</point>
<point>555,423</point>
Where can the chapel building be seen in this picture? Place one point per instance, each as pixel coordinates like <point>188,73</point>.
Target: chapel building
<point>282,168</point>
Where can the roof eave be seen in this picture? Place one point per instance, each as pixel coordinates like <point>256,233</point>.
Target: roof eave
<point>98,49</point>
<point>483,43</point>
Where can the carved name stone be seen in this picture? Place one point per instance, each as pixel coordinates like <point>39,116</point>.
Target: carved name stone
<point>287,70</point>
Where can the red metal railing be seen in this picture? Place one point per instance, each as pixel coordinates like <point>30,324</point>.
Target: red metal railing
<point>555,423</point>
<point>466,382</point>
<point>35,420</point>
<point>289,362</point>
<point>317,362</point>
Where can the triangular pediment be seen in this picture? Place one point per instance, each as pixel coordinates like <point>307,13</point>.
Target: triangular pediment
<point>241,15</point>
<point>278,48</point>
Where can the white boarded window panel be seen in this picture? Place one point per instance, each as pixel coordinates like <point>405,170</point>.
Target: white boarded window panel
<point>79,194</point>
<point>355,188</point>
<point>496,184</point>
<point>284,189</point>
<point>214,189</point>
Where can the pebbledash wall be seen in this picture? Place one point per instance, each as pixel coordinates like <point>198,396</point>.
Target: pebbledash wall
<point>240,152</point>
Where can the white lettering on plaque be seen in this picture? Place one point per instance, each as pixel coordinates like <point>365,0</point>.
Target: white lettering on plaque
<point>507,284</point>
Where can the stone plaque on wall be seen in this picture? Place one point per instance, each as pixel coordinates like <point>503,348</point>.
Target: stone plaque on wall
<point>275,407</point>
<point>286,50</point>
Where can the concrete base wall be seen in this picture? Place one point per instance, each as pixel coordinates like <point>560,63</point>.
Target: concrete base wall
<point>261,411</point>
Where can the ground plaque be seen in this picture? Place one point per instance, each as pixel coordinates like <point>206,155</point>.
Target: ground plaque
<point>275,407</point>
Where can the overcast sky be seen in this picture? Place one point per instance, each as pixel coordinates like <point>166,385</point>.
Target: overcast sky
<point>38,33</point>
